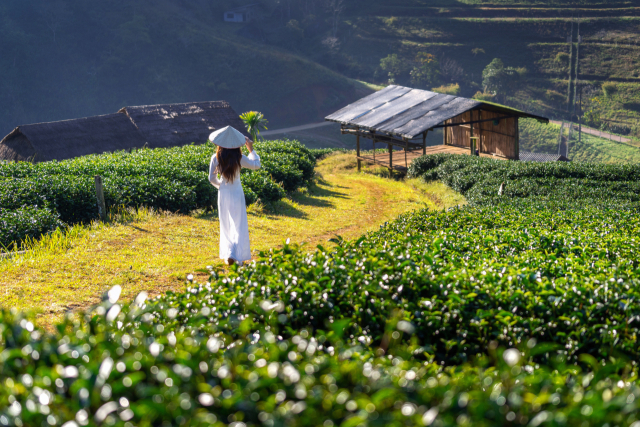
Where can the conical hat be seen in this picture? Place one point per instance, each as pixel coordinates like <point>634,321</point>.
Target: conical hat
<point>227,137</point>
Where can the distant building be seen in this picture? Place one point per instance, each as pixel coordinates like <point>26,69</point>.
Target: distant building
<point>171,125</point>
<point>241,14</point>
<point>153,126</point>
<point>67,139</point>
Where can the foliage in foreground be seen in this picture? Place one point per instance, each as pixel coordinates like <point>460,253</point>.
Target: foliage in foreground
<point>174,179</point>
<point>419,314</point>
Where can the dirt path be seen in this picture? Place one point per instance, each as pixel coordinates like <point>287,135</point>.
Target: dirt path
<point>155,252</point>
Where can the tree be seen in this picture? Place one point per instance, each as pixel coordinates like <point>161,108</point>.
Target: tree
<point>254,121</point>
<point>426,71</point>
<point>492,76</point>
<point>335,9</point>
<point>500,80</point>
<point>393,65</point>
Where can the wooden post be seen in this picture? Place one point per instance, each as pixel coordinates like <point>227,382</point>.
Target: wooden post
<point>424,143</point>
<point>390,160</point>
<point>374,148</point>
<point>472,141</point>
<point>406,147</point>
<point>102,207</point>
<point>480,132</point>
<point>445,132</point>
<point>517,120</point>
<point>358,151</point>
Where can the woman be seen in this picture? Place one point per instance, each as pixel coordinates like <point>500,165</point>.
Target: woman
<point>232,209</point>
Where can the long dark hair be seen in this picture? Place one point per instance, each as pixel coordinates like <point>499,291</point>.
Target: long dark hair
<point>228,162</point>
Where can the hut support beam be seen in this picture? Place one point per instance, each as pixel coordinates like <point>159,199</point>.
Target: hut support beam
<point>390,160</point>
<point>424,143</point>
<point>358,152</point>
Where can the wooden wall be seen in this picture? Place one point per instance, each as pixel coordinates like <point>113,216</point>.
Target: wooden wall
<point>500,139</point>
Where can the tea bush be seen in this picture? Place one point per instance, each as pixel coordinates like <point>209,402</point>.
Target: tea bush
<point>115,367</point>
<point>174,179</point>
<point>21,223</point>
<point>499,313</point>
<point>560,183</point>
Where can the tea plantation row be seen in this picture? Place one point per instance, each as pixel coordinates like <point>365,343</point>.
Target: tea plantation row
<point>561,184</point>
<point>482,315</point>
<point>36,198</point>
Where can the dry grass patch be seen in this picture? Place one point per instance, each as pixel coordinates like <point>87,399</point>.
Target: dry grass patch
<point>153,251</point>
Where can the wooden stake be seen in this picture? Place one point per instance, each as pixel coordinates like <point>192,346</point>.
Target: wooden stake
<point>424,143</point>
<point>406,147</point>
<point>358,151</point>
<point>102,207</point>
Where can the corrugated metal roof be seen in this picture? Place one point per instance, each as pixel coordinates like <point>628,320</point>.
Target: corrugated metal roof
<point>541,157</point>
<point>406,112</point>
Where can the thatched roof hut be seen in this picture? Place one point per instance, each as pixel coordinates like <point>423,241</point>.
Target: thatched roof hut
<point>170,125</point>
<point>70,138</point>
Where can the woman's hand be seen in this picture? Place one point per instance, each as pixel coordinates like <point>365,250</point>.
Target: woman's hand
<point>249,144</point>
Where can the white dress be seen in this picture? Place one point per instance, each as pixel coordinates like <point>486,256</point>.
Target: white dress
<point>232,210</point>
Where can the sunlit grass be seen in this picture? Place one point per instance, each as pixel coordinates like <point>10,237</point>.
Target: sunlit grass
<point>147,250</point>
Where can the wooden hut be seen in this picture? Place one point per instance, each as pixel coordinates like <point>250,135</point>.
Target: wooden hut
<point>70,138</point>
<point>401,117</point>
<point>170,125</point>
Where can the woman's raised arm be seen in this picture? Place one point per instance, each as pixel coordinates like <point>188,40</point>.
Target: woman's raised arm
<point>213,176</point>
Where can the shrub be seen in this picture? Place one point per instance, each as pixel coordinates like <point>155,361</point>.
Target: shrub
<point>419,312</point>
<point>555,96</point>
<point>562,57</point>
<point>484,96</point>
<point>29,222</point>
<point>609,89</point>
<point>452,89</point>
<point>491,314</point>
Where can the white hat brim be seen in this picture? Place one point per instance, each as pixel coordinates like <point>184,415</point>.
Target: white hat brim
<point>227,137</point>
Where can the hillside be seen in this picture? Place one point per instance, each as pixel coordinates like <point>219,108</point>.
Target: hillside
<point>66,59</point>
<point>300,60</point>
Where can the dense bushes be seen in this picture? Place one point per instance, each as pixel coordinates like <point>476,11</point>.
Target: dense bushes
<point>21,223</point>
<point>558,183</point>
<point>482,315</point>
<point>173,179</point>
<point>416,318</point>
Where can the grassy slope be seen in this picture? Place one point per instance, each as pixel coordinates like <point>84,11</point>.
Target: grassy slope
<point>143,249</point>
<point>108,55</point>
